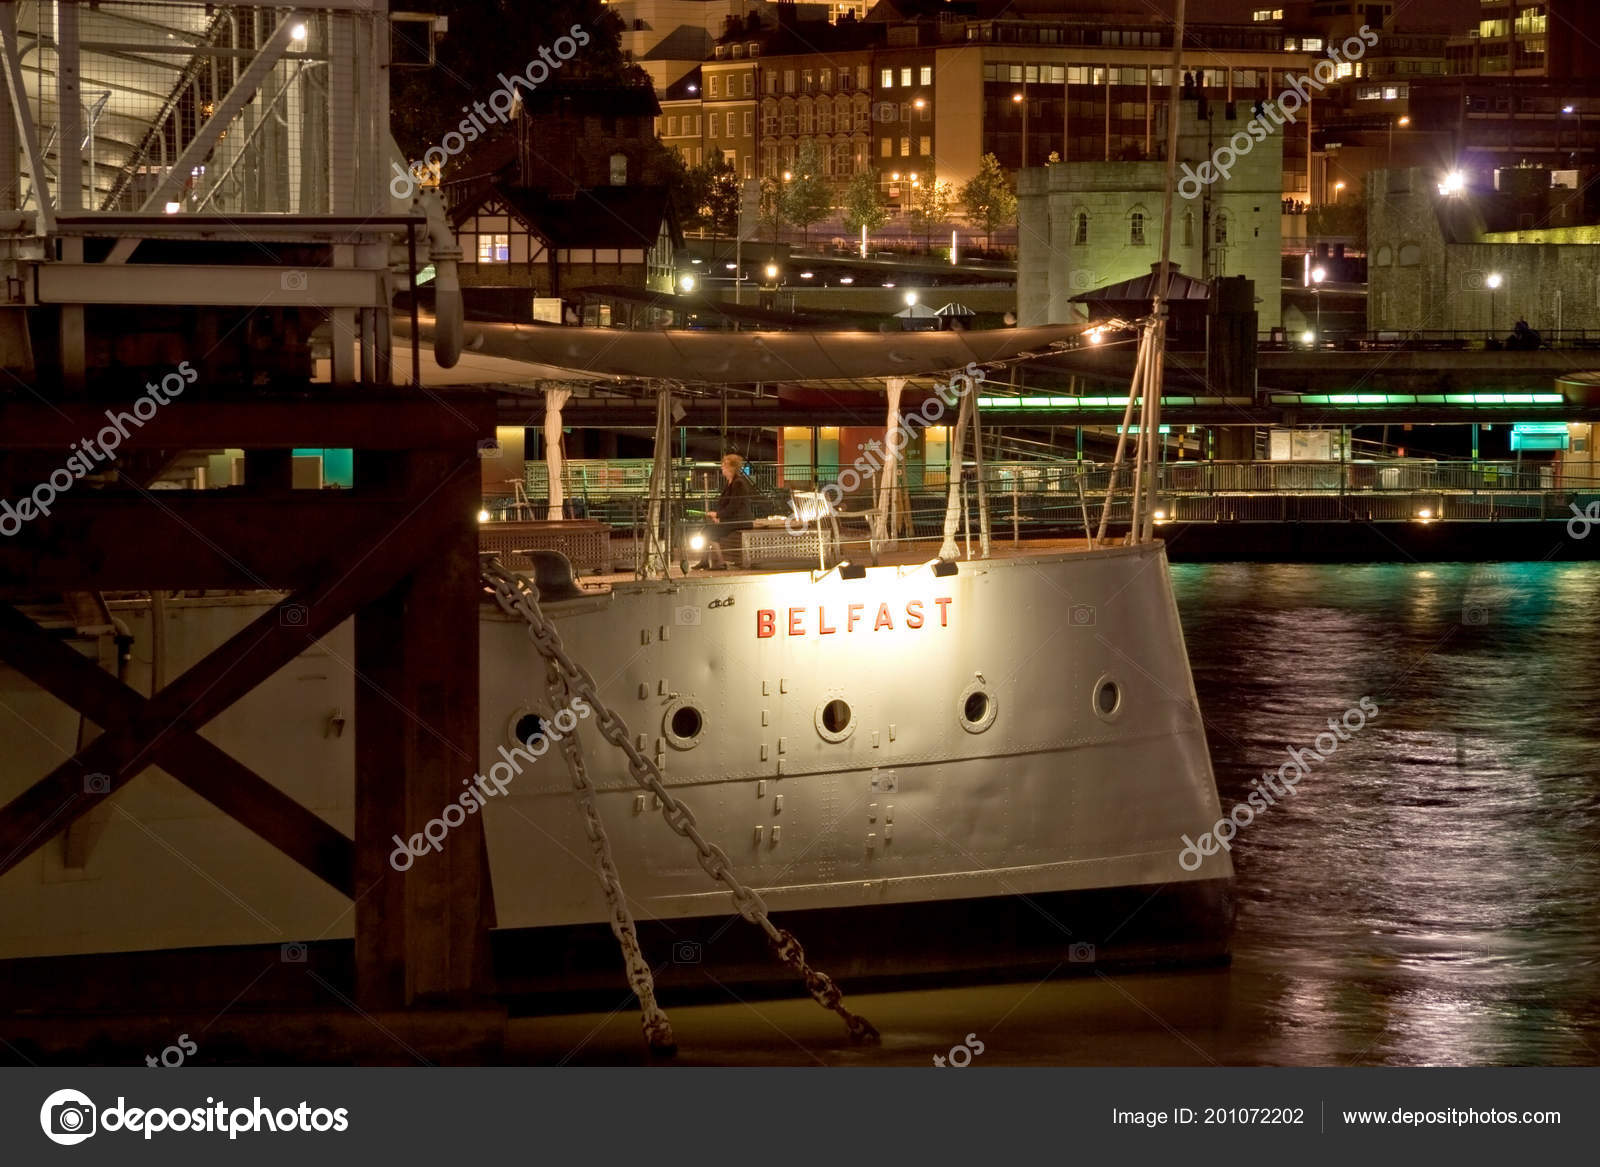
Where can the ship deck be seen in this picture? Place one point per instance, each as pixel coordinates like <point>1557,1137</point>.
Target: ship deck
<point>905,553</point>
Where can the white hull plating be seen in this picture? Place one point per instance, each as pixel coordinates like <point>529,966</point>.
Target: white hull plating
<point>1080,761</point>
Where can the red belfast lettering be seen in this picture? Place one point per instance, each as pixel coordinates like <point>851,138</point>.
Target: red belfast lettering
<point>914,614</point>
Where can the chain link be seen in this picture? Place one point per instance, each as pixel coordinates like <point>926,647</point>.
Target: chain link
<point>517,596</point>
<point>657,1029</point>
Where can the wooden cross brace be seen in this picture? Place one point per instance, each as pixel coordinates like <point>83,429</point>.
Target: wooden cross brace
<point>161,730</point>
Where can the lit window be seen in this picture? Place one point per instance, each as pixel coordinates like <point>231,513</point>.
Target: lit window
<point>926,75</point>
<point>905,147</point>
<point>905,76</point>
<point>925,146</point>
<point>1311,44</point>
<point>888,79</point>
<point>494,249</point>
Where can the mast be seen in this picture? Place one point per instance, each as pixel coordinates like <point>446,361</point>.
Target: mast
<point>1150,435</point>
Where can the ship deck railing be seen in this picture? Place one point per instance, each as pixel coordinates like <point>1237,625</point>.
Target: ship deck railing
<point>1052,495</point>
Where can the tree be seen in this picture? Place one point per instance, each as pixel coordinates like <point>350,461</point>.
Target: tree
<point>1346,218</point>
<point>930,206</point>
<point>488,37</point>
<point>809,196</point>
<point>988,197</point>
<point>774,204</point>
<point>723,196</point>
<point>686,186</point>
<point>864,204</point>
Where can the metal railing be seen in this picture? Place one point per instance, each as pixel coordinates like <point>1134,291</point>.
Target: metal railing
<point>1055,497</point>
<point>1332,339</point>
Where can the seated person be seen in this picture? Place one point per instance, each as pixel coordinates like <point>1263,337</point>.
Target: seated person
<point>732,512</point>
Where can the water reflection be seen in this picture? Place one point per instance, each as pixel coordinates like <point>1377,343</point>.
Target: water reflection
<point>1428,896</point>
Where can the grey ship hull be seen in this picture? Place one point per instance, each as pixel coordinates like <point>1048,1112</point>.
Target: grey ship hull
<point>1021,753</point>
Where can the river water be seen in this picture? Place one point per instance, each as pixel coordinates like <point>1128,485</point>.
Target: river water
<point>1429,896</point>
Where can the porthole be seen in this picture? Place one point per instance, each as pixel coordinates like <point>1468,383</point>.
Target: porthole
<point>835,719</point>
<point>683,723</point>
<point>977,708</point>
<point>1107,699</point>
<point>522,725</point>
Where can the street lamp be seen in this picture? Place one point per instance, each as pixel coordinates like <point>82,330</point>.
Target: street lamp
<point>1337,188</point>
<point>1022,100</point>
<point>1492,281</point>
<point>1454,183</point>
<point>911,299</point>
<point>1402,122</point>
<point>772,271</point>
<point>686,282</point>
<point>1318,274</point>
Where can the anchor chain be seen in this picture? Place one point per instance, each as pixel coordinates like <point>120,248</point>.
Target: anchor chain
<point>653,1020</point>
<point>517,596</point>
